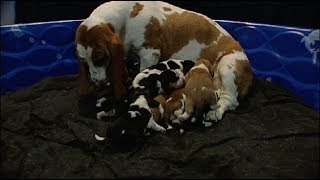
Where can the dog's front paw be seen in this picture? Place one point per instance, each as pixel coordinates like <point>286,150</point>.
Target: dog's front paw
<point>99,138</point>
<point>178,112</point>
<point>163,130</point>
<point>176,121</point>
<point>169,127</point>
<point>214,115</point>
<point>207,123</point>
<point>100,115</point>
<point>100,101</point>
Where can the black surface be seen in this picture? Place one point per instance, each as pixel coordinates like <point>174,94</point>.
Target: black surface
<point>270,135</point>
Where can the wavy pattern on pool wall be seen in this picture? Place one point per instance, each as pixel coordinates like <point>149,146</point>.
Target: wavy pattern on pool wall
<point>283,55</point>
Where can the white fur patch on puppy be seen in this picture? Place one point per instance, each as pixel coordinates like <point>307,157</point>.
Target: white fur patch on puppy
<point>100,101</point>
<point>99,138</point>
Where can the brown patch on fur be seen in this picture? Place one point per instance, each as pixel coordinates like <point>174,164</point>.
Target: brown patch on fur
<point>199,89</point>
<point>170,106</point>
<point>243,76</point>
<point>226,45</point>
<point>136,9</point>
<point>156,111</point>
<point>166,9</point>
<point>207,63</point>
<point>107,49</point>
<point>176,32</point>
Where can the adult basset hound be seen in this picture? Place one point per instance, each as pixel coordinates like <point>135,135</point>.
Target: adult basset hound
<point>156,31</point>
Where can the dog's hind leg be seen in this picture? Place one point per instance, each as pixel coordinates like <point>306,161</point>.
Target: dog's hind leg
<point>155,126</point>
<point>189,109</point>
<point>232,68</point>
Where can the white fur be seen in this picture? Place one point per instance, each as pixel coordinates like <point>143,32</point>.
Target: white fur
<point>133,114</point>
<point>101,114</point>
<point>155,126</point>
<point>228,94</point>
<point>100,101</point>
<point>84,52</point>
<point>148,57</point>
<point>144,74</point>
<point>99,138</point>
<point>200,66</point>
<point>96,73</point>
<point>141,102</point>
<point>191,51</point>
<point>118,14</point>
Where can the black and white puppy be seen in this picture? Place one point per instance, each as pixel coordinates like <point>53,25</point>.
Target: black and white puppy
<point>135,121</point>
<point>163,77</point>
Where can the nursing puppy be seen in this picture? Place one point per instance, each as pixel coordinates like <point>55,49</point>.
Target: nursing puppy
<point>155,31</point>
<point>136,120</point>
<point>163,77</point>
<point>172,104</point>
<point>199,90</point>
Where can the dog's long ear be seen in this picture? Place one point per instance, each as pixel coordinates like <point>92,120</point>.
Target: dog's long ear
<point>117,73</point>
<point>84,82</point>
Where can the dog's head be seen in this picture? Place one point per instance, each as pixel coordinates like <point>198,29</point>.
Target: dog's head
<point>171,80</point>
<point>101,49</point>
<point>187,65</point>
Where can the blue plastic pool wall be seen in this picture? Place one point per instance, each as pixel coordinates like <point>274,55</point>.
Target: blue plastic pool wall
<point>283,55</point>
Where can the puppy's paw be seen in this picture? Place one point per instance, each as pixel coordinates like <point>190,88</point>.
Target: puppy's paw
<point>178,112</point>
<point>214,115</point>
<point>207,123</point>
<point>169,127</point>
<point>176,121</point>
<point>163,130</point>
<point>99,138</point>
<point>100,101</point>
<point>101,114</point>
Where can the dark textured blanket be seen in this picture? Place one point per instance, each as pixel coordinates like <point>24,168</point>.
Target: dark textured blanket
<point>271,134</point>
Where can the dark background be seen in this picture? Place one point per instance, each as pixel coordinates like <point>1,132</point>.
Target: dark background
<point>288,13</point>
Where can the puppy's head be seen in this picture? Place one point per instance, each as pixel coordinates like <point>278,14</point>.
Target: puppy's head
<point>129,127</point>
<point>206,63</point>
<point>187,65</point>
<point>171,80</point>
<point>101,49</point>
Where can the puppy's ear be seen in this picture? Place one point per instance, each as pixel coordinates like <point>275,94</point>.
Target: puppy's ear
<point>187,65</point>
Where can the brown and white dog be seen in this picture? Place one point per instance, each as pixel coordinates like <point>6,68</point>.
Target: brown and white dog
<point>199,90</point>
<point>173,106</point>
<point>156,31</point>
